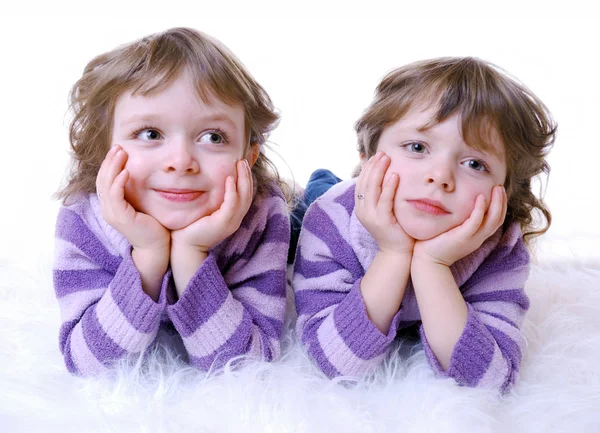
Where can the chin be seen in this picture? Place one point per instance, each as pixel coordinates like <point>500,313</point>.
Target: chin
<point>175,222</point>
<point>420,232</point>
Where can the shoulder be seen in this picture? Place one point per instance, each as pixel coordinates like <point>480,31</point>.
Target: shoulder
<point>80,221</point>
<point>340,195</point>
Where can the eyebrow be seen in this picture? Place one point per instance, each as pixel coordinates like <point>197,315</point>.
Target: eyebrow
<point>153,118</point>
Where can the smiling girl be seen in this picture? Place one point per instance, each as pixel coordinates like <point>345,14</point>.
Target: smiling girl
<point>431,232</point>
<point>173,219</point>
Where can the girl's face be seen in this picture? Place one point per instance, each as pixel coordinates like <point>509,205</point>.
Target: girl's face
<point>440,175</point>
<point>180,151</point>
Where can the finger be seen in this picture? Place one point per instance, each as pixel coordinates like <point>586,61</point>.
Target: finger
<point>386,200</point>
<point>244,182</point>
<point>374,180</point>
<point>230,200</point>
<point>117,191</point>
<point>475,220</point>
<point>100,177</point>
<point>496,211</point>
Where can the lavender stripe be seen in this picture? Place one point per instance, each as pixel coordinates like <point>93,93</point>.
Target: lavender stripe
<point>64,341</point>
<point>310,339</point>
<point>269,326</point>
<point>312,269</point>
<point>67,282</point>
<point>510,349</point>
<point>502,259</point>
<point>238,344</point>
<point>516,296</point>
<point>70,227</point>
<point>320,224</point>
<point>101,346</point>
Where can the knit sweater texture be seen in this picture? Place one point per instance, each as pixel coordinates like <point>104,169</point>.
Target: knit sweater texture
<point>233,305</point>
<point>334,252</point>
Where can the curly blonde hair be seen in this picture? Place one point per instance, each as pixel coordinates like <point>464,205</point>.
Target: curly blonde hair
<point>146,66</point>
<point>489,102</point>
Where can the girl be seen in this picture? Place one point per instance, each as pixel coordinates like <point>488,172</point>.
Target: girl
<point>430,233</point>
<point>172,215</point>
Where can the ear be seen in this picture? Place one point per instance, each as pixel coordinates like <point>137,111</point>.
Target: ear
<point>253,153</point>
<point>363,159</point>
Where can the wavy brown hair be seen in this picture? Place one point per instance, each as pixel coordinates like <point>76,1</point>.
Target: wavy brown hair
<point>490,103</point>
<point>147,66</point>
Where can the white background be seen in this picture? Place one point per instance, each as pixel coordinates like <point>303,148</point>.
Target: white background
<point>320,64</point>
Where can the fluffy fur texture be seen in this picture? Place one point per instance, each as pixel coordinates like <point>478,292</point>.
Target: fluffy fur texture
<point>558,391</point>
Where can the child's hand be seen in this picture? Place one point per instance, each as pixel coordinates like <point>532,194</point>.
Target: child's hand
<point>461,241</point>
<point>211,229</point>
<point>141,230</point>
<point>375,206</point>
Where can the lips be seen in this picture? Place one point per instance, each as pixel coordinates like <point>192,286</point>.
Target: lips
<point>432,207</point>
<point>179,195</point>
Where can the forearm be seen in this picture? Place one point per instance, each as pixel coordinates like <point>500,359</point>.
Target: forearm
<point>441,305</point>
<point>383,287</point>
<point>152,266</point>
<point>185,261</point>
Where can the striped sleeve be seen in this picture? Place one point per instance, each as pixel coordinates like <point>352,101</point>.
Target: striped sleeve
<point>240,311</point>
<point>332,319</point>
<point>105,313</point>
<point>489,351</point>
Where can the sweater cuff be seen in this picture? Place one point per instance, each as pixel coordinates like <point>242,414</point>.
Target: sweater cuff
<point>471,355</point>
<point>204,295</point>
<point>358,331</point>
<point>128,315</point>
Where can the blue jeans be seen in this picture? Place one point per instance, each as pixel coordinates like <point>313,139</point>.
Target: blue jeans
<point>318,184</point>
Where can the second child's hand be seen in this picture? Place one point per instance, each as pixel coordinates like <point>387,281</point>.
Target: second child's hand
<point>190,245</point>
<point>384,283</point>
<point>148,238</point>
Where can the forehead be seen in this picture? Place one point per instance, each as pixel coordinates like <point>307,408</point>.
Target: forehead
<point>176,98</point>
<point>479,134</point>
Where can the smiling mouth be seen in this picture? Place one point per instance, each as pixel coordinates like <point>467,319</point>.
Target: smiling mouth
<point>179,195</point>
<point>428,207</point>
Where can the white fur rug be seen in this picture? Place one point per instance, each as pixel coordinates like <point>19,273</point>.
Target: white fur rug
<point>559,388</point>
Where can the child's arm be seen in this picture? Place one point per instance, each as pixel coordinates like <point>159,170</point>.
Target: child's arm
<point>473,335</point>
<point>241,312</point>
<point>106,314</point>
<point>333,321</point>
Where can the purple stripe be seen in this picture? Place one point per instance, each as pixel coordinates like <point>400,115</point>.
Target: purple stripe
<point>189,324</point>
<point>510,349</point>
<point>501,259</point>
<point>360,345</point>
<point>312,301</point>
<point>269,326</point>
<point>67,282</point>
<point>270,283</point>
<point>347,199</point>
<point>100,344</point>
<point>313,269</point>
<point>70,227</point>
<point>500,317</point>
<point>311,342</point>
<point>514,296</point>
<point>64,341</point>
<point>511,352</point>
<point>237,344</point>
<point>277,231</point>
<point>321,226</point>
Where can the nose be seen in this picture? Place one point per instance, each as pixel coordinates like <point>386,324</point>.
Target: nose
<point>440,174</point>
<point>180,158</point>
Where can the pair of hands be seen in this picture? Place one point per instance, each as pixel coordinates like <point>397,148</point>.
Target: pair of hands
<point>145,233</point>
<point>376,214</point>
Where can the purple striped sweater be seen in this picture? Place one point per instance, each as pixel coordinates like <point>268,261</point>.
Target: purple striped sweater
<point>233,305</point>
<point>333,254</point>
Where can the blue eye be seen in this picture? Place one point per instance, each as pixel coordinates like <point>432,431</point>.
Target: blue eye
<point>213,137</point>
<point>415,147</point>
<point>147,134</point>
<point>476,165</point>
